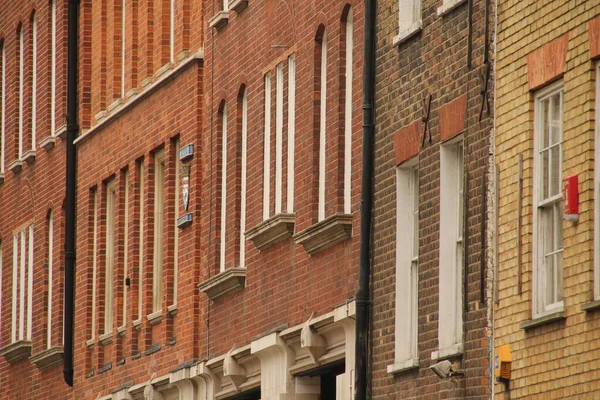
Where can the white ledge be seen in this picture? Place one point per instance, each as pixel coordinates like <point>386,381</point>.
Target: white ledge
<point>325,234</point>
<point>219,20</point>
<point>16,351</point>
<point>48,142</point>
<point>105,338</point>
<point>61,132</point>
<point>404,365</point>
<point>272,231</point>
<point>48,358</point>
<point>455,350</point>
<point>90,343</point>
<point>172,310</point>
<point>15,167</point>
<point>144,93</point>
<point>224,282</point>
<point>407,33</point>
<point>238,5</point>
<point>448,6</point>
<point>121,331</point>
<point>137,324</point>
<point>29,156</point>
<point>155,317</point>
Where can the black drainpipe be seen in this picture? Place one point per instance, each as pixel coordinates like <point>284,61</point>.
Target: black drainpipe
<point>363,302</point>
<point>70,202</point>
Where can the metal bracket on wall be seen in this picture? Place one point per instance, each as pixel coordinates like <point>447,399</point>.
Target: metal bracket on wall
<point>425,119</point>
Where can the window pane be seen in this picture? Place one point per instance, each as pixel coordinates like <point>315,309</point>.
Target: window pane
<point>555,170</point>
<point>548,230</point>
<point>549,265</point>
<point>558,228</point>
<point>559,276</point>
<point>545,174</point>
<point>556,117</point>
<point>415,193</point>
<point>544,118</point>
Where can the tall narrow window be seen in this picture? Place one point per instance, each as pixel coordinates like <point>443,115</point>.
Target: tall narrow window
<point>2,105</point>
<point>53,66</point>
<point>21,91</point>
<point>291,131</point>
<point>172,32</point>
<point>223,187</point>
<point>409,17</point>
<point>548,236</point>
<point>33,81</point>
<point>278,138</point>
<point>22,293</point>
<point>50,276</point>
<point>159,209</point>
<point>225,5</point>
<point>1,292</point>
<point>348,112</point>
<point>95,206</point>
<point>125,242</point>
<point>322,127</point>
<point>597,191</point>
<point>451,250</point>
<point>175,228</point>
<point>407,258</point>
<point>267,148</point>
<point>111,201</point>
<point>124,44</point>
<point>142,214</point>
<point>243,179</point>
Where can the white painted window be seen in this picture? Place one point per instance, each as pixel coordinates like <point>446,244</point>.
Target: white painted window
<point>278,138</point>
<point>267,148</point>
<point>95,207</point>
<point>22,293</point>
<point>53,67</point>
<point>21,91</point>
<point>291,131</point>
<point>2,107</point>
<point>225,5</point>
<point>348,113</point>
<point>142,213</point>
<point>322,127</point>
<point>409,16</point>
<point>450,332</point>
<point>407,261</point>
<point>125,241</point>
<point>223,187</point>
<point>597,191</point>
<point>50,264</point>
<point>34,82</point>
<point>548,201</point>
<point>111,202</point>
<point>124,41</point>
<point>172,31</point>
<point>175,228</point>
<point>243,187</point>
<point>159,209</point>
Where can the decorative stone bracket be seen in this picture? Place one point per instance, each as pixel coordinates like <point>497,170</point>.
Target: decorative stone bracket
<point>325,234</point>
<point>227,281</point>
<point>48,358</point>
<point>271,231</point>
<point>16,351</point>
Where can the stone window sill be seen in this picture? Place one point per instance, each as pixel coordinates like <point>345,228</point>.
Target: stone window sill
<point>48,358</point>
<point>591,306</point>
<point>2,177</point>
<point>325,234</point>
<point>402,366</point>
<point>238,5</point>
<point>48,143</point>
<point>154,318</point>
<point>407,33</point>
<point>105,338</point>
<point>448,6</point>
<point>172,310</point>
<point>121,331</point>
<point>90,343</point>
<point>219,20</point>
<point>16,351</point>
<point>15,167</point>
<point>137,324</point>
<point>271,231</point>
<point>224,283</point>
<point>29,156</point>
<point>61,132</point>
<point>543,320</point>
<point>455,350</point>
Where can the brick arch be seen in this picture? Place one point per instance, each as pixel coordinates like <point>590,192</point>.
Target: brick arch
<point>321,24</point>
<point>348,7</point>
<point>26,200</point>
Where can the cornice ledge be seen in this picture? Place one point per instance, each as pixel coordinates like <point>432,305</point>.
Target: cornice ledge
<point>219,20</point>
<point>325,234</point>
<point>271,231</point>
<point>48,358</point>
<point>16,351</point>
<point>223,283</point>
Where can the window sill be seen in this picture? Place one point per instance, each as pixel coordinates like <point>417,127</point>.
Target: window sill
<point>546,319</point>
<point>172,310</point>
<point>238,5</point>
<point>48,143</point>
<point>591,306</point>
<point>105,339</point>
<point>137,324</point>
<point>121,331</point>
<point>224,283</point>
<point>403,366</point>
<point>2,177</point>
<point>29,156</point>
<point>48,358</point>
<point>455,350</point>
<point>16,351</point>
<point>15,167</point>
<point>219,20</point>
<point>407,33</point>
<point>90,343</point>
<point>325,234</point>
<point>448,6</point>
<point>61,132</point>
<point>155,318</point>
<point>272,231</point>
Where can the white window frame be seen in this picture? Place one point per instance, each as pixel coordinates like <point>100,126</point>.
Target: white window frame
<point>110,242</point>
<point>22,292</point>
<point>125,241</point>
<point>267,149</point>
<point>322,129</point>
<point>597,190</point>
<point>50,276</point>
<point>278,138</point>
<point>410,20</point>
<point>53,68</point>
<point>172,31</point>
<point>124,44</point>
<point>540,305</point>
<point>95,201</point>
<point>175,227</point>
<point>34,81</point>
<point>291,131</point>
<point>223,188</point>
<point>243,187</point>
<point>348,113</point>
<point>451,296</point>
<point>159,214</point>
<point>406,355</point>
<point>3,109</point>
<point>21,91</point>
<point>142,212</point>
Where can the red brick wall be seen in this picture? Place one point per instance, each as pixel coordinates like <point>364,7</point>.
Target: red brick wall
<point>28,196</point>
<point>431,63</point>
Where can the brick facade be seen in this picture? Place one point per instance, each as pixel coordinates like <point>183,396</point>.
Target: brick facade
<point>540,43</point>
<point>31,195</point>
<point>427,94</point>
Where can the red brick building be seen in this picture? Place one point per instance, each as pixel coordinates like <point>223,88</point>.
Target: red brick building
<point>218,199</point>
<point>431,274</point>
<point>32,169</point>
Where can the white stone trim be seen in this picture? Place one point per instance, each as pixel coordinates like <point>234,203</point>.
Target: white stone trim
<point>322,129</point>
<point>448,6</point>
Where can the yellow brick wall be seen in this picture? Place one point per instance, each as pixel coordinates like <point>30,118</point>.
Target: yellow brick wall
<point>559,359</point>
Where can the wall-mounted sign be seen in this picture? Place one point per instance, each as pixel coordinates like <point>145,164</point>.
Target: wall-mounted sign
<point>186,153</point>
<point>185,192</point>
<point>184,221</point>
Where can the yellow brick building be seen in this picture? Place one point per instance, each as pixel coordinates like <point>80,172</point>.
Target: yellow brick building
<point>547,298</point>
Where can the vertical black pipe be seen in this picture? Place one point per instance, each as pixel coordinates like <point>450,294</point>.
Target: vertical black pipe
<point>363,302</point>
<point>70,201</point>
